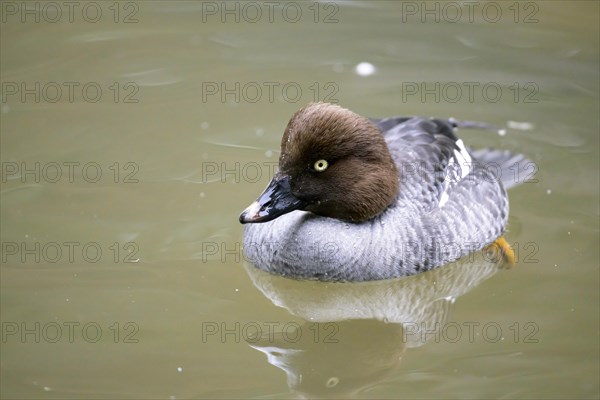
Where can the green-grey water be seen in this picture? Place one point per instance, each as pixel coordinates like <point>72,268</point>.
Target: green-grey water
<point>133,133</point>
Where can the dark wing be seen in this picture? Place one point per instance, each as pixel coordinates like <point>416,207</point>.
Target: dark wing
<point>431,159</point>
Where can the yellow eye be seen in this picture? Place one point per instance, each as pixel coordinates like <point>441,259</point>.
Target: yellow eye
<point>321,165</point>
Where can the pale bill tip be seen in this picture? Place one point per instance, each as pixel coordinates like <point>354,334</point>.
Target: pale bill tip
<point>250,212</point>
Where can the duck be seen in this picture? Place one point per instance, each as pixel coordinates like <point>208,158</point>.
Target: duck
<point>360,199</point>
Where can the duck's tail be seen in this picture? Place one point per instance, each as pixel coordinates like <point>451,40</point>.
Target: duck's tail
<point>512,169</point>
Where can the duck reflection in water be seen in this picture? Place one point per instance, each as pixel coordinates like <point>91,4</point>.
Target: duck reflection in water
<point>356,334</point>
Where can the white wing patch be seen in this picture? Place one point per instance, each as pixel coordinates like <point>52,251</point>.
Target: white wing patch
<point>463,157</point>
<point>458,168</point>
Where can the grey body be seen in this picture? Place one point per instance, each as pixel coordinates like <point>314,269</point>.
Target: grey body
<point>438,216</point>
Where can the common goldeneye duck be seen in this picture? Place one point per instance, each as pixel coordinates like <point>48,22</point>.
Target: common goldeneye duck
<point>359,199</point>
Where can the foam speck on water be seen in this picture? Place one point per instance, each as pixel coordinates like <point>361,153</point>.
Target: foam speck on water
<point>521,126</point>
<point>365,69</point>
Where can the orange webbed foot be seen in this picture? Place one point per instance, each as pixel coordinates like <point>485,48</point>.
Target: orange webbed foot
<point>500,249</point>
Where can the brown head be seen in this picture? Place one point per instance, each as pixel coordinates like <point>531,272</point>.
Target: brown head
<point>333,163</point>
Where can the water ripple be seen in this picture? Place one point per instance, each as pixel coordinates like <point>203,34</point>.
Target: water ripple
<point>100,36</point>
<point>153,77</point>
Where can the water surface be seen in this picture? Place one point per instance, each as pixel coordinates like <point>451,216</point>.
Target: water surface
<point>185,134</point>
